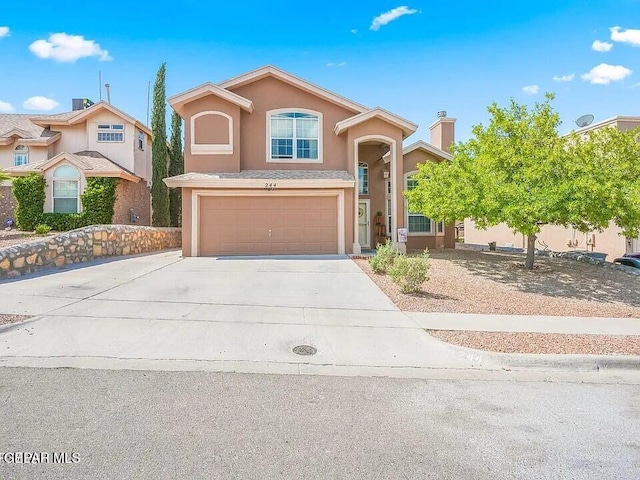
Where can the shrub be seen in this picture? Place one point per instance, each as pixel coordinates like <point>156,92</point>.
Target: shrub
<point>410,272</point>
<point>384,258</point>
<point>98,201</point>
<point>42,229</point>
<point>29,193</point>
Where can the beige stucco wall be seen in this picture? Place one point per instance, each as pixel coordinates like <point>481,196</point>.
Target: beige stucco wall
<point>142,158</point>
<point>212,162</point>
<point>554,237</point>
<point>270,94</point>
<point>73,139</point>
<point>36,154</point>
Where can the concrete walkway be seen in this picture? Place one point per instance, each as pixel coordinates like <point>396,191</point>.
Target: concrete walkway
<point>527,323</point>
<point>240,314</point>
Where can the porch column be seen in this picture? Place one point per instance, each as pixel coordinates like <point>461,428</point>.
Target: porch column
<point>356,247</point>
<point>397,199</point>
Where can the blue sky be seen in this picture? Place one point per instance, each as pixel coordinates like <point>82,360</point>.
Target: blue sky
<point>420,58</point>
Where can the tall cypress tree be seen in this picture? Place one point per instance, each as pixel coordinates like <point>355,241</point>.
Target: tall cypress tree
<point>176,167</point>
<point>159,191</point>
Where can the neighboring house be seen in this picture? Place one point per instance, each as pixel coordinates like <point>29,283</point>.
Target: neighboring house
<point>277,165</point>
<point>557,238</point>
<point>97,141</point>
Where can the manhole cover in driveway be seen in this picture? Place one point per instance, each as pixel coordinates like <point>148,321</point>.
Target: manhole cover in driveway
<point>305,350</point>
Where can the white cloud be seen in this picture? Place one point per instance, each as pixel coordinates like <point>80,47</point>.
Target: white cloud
<point>4,32</point>
<point>354,31</point>
<point>598,46</point>
<point>604,74</point>
<point>390,16</point>
<point>336,64</point>
<point>68,48</point>
<point>629,36</point>
<point>564,78</point>
<point>531,89</point>
<point>40,103</point>
<point>5,107</point>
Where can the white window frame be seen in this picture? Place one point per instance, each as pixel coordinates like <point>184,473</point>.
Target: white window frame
<point>294,159</point>
<point>65,179</point>
<point>142,139</point>
<point>432,231</point>
<point>364,182</point>
<point>24,152</point>
<point>211,148</point>
<point>110,128</point>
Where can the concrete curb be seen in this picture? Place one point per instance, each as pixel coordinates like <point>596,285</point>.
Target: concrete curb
<point>512,361</point>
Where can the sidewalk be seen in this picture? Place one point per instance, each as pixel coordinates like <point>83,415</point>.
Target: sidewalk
<point>527,323</point>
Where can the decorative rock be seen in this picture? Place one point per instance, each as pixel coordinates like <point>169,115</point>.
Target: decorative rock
<point>84,245</point>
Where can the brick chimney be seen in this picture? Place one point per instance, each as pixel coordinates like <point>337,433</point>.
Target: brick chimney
<point>443,132</point>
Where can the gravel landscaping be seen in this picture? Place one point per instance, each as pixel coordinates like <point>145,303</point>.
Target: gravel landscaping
<point>6,319</point>
<point>549,343</point>
<point>15,237</point>
<point>491,282</point>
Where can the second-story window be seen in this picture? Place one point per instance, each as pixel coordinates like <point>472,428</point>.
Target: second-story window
<point>110,132</point>
<point>140,140</point>
<point>294,136</point>
<point>21,155</point>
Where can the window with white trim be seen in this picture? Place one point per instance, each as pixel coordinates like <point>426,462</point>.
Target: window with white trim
<point>294,136</point>
<point>66,189</point>
<point>416,222</point>
<point>110,132</point>
<point>363,178</point>
<point>141,140</point>
<point>21,155</point>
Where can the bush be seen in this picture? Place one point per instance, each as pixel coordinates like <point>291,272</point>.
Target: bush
<point>42,229</point>
<point>98,201</point>
<point>410,272</point>
<point>30,194</point>
<point>384,258</point>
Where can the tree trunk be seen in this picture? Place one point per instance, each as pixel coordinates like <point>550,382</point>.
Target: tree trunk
<point>531,249</point>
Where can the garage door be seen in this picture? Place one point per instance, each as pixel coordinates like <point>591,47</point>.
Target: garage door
<point>268,225</point>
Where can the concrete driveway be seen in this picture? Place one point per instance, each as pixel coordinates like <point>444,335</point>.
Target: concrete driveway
<point>230,314</point>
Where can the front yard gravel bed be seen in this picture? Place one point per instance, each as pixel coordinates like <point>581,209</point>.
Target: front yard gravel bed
<point>547,343</point>
<point>490,283</point>
<point>5,319</point>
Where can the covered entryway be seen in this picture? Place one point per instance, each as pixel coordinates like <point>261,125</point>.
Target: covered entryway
<point>268,225</point>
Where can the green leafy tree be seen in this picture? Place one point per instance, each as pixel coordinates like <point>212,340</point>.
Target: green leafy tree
<point>176,167</point>
<point>519,171</point>
<point>159,191</point>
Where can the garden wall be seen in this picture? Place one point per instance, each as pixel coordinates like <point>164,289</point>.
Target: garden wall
<point>83,245</point>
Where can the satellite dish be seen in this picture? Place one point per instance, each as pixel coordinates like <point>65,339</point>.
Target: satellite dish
<point>584,120</point>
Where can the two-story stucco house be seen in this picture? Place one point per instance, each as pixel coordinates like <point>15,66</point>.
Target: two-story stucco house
<point>97,141</point>
<point>556,237</point>
<point>277,165</point>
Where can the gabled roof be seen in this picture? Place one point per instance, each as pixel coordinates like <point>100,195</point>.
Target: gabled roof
<point>428,148</point>
<point>210,89</point>
<point>73,118</point>
<point>18,125</point>
<point>405,125</point>
<point>92,164</point>
<point>271,71</point>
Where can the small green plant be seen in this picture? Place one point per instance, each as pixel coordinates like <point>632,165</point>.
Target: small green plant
<point>42,229</point>
<point>410,272</point>
<point>384,258</point>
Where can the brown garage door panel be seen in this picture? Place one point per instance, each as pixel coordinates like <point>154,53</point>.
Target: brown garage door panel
<point>262,225</point>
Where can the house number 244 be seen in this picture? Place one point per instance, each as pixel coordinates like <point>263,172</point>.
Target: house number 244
<point>270,187</point>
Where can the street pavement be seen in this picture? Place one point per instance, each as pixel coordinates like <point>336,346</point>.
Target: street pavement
<point>204,425</point>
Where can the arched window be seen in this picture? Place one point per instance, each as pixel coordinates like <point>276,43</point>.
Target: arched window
<point>294,136</point>
<point>363,178</point>
<point>21,155</point>
<point>66,189</point>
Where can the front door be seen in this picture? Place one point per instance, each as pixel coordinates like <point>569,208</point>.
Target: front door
<point>364,231</point>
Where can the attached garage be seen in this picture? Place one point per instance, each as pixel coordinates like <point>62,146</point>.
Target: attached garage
<point>268,225</point>
<point>265,212</point>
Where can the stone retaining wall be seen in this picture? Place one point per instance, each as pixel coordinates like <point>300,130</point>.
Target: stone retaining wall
<point>83,245</point>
